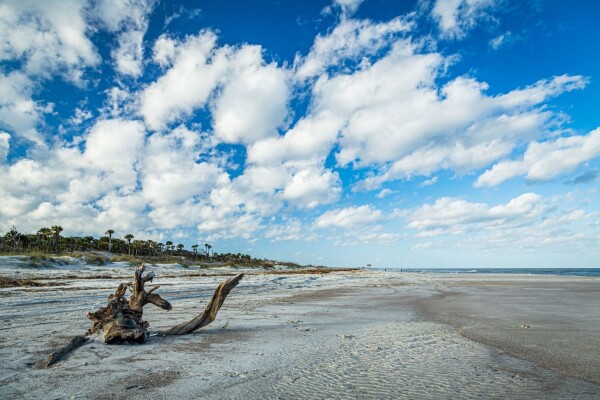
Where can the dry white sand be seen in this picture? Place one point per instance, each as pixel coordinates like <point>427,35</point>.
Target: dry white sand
<point>341,335</point>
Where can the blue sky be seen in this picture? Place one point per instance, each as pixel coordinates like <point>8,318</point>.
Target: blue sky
<point>457,133</point>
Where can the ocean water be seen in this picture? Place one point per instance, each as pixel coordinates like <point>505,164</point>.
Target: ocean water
<point>526,271</point>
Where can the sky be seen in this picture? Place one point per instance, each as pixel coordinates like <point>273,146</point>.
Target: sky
<point>402,134</point>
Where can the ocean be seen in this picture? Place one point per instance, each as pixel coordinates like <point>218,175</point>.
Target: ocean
<point>526,271</point>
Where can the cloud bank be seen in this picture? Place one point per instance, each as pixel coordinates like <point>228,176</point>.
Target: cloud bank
<point>204,139</point>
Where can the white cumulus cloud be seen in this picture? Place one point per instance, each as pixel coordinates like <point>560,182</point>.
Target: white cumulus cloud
<point>19,113</point>
<point>128,19</point>
<point>312,187</point>
<point>171,171</point>
<point>455,17</point>
<point>451,215</point>
<point>545,160</point>
<point>350,39</point>
<point>48,37</point>
<point>349,217</point>
<point>526,223</point>
<point>4,146</point>
<point>253,102</point>
<point>187,84</point>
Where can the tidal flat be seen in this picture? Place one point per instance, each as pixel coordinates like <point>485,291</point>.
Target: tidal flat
<point>352,334</point>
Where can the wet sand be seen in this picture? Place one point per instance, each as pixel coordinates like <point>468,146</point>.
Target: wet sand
<point>550,320</point>
<point>348,335</point>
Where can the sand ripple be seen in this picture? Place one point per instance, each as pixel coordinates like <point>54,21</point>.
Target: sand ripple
<point>392,361</point>
<point>288,337</point>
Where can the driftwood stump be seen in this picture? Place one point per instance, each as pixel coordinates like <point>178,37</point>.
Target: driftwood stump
<point>121,320</point>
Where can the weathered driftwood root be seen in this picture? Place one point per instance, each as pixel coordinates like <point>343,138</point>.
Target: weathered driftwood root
<point>121,320</point>
<point>63,353</point>
<point>210,312</point>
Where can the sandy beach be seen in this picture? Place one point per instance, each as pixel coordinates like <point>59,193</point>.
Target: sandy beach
<point>352,334</point>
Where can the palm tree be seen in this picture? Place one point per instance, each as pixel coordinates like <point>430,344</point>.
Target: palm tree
<point>169,244</point>
<point>195,248</point>
<point>180,247</point>
<point>56,230</point>
<point>13,235</point>
<point>40,235</point>
<point>109,233</point>
<point>89,242</point>
<point>152,246</point>
<point>137,246</point>
<point>128,237</point>
<point>44,234</point>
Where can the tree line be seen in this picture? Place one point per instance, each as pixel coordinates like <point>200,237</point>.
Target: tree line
<point>50,241</point>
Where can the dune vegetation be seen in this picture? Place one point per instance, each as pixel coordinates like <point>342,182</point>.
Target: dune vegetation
<point>48,245</point>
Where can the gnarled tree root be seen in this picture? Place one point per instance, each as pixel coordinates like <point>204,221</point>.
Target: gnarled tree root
<point>121,320</point>
<point>210,312</point>
<point>63,353</point>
